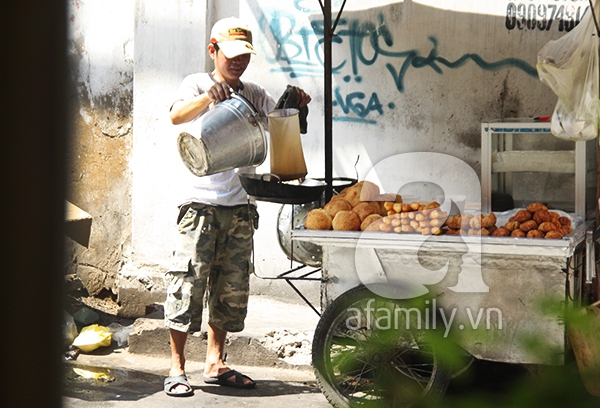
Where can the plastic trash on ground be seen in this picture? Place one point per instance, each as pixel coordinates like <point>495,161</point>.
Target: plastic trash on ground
<point>569,66</point>
<point>120,334</point>
<point>92,337</point>
<point>69,328</point>
<point>95,373</point>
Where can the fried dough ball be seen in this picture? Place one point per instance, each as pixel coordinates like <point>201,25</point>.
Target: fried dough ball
<point>554,215</point>
<point>492,229</point>
<point>370,223</point>
<point>547,226</point>
<point>365,209</point>
<point>535,234</point>
<point>522,216</point>
<point>318,219</point>
<point>564,220</point>
<point>565,230</point>
<point>466,219</point>
<point>475,222</point>
<point>415,205</point>
<point>361,191</point>
<point>542,216</point>
<point>453,231</point>
<point>346,221</point>
<point>432,205</point>
<point>518,233</point>
<point>406,208</point>
<point>528,225</point>
<point>501,232</point>
<point>336,205</point>
<point>554,235</point>
<point>534,207</point>
<point>512,225</point>
<point>489,220</point>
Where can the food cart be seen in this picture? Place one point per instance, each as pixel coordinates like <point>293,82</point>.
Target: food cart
<point>402,314</point>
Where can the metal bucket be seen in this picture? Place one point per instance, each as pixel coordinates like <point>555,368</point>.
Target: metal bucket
<point>227,137</point>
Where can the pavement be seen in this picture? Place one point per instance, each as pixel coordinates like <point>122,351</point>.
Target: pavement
<point>273,349</point>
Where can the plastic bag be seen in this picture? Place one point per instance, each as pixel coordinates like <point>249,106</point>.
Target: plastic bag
<point>120,334</point>
<point>92,337</point>
<point>570,66</point>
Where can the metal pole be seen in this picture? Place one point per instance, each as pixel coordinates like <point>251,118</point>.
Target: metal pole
<point>328,99</point>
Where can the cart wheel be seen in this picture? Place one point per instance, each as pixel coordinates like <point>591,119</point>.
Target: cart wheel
<point>364,355</point>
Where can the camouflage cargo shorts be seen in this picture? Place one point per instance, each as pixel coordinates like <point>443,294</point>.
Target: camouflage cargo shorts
<point>213,257</point>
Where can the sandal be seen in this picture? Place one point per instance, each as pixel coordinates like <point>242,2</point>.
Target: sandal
<point>223,380</point>
<point>172,382</point>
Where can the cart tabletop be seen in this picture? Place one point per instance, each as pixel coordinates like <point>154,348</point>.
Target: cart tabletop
<point>564,247</point>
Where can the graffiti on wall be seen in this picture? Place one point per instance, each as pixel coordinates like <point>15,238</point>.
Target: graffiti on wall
<point>299,54</point>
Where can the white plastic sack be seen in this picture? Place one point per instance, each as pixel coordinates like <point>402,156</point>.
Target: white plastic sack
<point>570,66</point>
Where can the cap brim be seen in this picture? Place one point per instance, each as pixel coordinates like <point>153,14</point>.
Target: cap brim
<point>232,49</point>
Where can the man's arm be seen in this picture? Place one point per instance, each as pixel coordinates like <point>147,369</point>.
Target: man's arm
<point>184,111</point>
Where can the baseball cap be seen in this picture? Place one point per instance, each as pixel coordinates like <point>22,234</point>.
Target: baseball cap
<point>233,36</point>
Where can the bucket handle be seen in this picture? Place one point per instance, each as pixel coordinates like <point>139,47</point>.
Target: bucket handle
<point>262,176</point>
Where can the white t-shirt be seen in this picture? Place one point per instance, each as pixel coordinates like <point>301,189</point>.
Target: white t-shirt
<point>222,188</point>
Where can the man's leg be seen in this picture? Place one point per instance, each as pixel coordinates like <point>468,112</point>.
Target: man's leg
<point>178,340</point>
<point>215,351</point>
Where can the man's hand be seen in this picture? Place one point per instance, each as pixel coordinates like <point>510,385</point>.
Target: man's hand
<point>219,92</point>
<point>303,96</point>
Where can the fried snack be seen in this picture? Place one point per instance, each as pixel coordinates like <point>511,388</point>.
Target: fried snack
<point>565,230</point>
<point>426,231</point>
<point>535,234</point>
<point>397,207</point>
<point>432,205</point>
<point>438,214</point>
<point>454,222</point>
<point>475,222</point>
<point>564,221</point>
<point>370,220</point>
<point>555,216</point>
<point>406,208</point>
<point>337,205</point>
<point>512,225</point>
<point>385,227</point>
<point>415,205</point>
<point>501,232</point>
<point>421,216</point>
<point>318,219</point>
<point>489,220</point>
<point>466,219</point>
<point>528,226</point>
<point>407,228</point>
<point>474,232</point>
<point>492,229</point>
<point>346,221</point>
<point>436,222</point>
<point>388,205</point>
<point>518,233</point>
<point>534,207</point>
<point>366,208</point>
<point>548,226</point>
<point>452,231</point>
<point>522,216</point>
<point>542,216</point>
<point>368,191</point>
<point>554,235</point>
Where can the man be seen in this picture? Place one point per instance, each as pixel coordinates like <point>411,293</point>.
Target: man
<point>214,252</point>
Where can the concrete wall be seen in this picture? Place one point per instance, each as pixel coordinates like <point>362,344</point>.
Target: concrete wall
<point>408,76</point>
